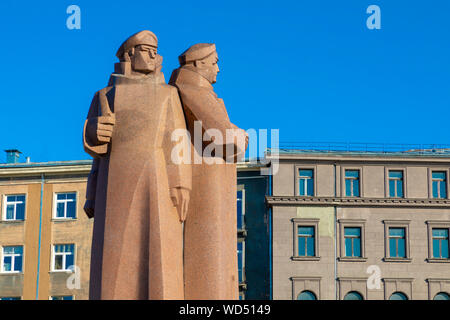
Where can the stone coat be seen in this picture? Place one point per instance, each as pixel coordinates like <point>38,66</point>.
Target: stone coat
<point>137,247</point>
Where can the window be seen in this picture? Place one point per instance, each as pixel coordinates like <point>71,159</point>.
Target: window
<point>397,247</point>
<point>14,208</point>
<point>439,184</point>
<point>240,209</point>
<point>396,184</point>
<point>442,296</point>
<point>306,182</point>
<point>398,296</point>
<point>352,239</point>
<point>10,298</point>
<point>63,256</point>
<point>353,295</point>
<point>440,243</point>
<point>397,243</point>
<point>241,260</point>
<point>306,241</point>
<point>65,205</point>
<point>62,298</point>
<point>12,259</point>
<point>352,183</point>
<point>306,295</point>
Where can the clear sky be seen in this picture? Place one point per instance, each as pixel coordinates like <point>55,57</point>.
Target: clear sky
<point>311,69</point>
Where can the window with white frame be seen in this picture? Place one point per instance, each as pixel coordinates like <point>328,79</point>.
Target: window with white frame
<point>65,205</point>
<point>440,245</point>
<point>439,184</point>
<point>63,256</point>
<point>306,182</point>
<point>12,258</point>
<point>352,188</point>
<point>396,184</point>
<point>14,207</point>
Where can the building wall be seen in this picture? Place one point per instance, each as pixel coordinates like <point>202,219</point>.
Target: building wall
<point>314,275</point>
<point>257,238</point>
<point>419,278</point>
<point>46,283</point>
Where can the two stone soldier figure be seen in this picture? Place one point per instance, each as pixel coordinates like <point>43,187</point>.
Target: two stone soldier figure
<point>140,195</point>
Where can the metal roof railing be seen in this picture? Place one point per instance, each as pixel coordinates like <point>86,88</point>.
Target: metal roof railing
<point>363,148</point>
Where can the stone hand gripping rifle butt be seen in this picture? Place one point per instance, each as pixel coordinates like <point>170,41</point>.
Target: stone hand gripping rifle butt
<point>100,107</point>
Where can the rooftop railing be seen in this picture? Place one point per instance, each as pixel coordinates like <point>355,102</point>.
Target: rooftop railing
<point>363,147</point>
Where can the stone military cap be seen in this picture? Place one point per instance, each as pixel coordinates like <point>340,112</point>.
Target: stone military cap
<point>197,52</point>
<point>144,37</point>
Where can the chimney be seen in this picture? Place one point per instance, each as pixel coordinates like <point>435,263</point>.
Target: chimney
<point>12,155</point>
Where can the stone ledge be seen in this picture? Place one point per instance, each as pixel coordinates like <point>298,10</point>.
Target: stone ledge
<point>350,259</point>
<point>407,260</point>
<point>342,201</point>
<point>436,260</point>
<point>298,258</point>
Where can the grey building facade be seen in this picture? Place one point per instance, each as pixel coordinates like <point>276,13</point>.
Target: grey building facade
<point>360,225</point>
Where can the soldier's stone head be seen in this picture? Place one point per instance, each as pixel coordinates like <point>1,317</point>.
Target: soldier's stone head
<point>203,58</point>
<point>140,50</point>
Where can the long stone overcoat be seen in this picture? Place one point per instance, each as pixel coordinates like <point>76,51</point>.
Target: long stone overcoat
<point>137,248</point>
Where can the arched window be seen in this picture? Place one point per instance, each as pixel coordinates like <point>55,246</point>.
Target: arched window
<point>353,295</point>
<point>306,295</point>
<point>398,296</point>
<point>442,296</point>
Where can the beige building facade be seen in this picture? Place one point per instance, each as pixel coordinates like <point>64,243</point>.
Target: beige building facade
<point>360,225</point>
<point>45,236</point>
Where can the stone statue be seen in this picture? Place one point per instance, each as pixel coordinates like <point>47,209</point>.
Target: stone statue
<point>210,234</point>
<point>138,194</point>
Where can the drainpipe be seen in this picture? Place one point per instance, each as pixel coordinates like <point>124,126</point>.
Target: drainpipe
<point>335,236</point>
<point>40,236</point>
<point>270,242</point>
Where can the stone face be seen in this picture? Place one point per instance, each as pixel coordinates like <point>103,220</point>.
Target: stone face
<point>139,190</point>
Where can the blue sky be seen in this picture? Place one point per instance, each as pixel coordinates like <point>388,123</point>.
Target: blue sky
<point>311,69</point>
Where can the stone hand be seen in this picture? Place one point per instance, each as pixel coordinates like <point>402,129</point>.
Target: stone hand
<point>105,125</point>
<point>180,199</point>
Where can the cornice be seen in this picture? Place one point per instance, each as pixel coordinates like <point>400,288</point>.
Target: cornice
<point>340,201</point>
<point>29,171</point>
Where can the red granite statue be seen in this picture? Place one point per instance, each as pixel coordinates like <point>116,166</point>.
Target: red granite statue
<point>138,194</point>
<point>210,241</point>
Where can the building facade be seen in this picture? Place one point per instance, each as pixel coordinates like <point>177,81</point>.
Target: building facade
<point>44,231</point>
<point>45,236</point>
<point>360,225</point>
